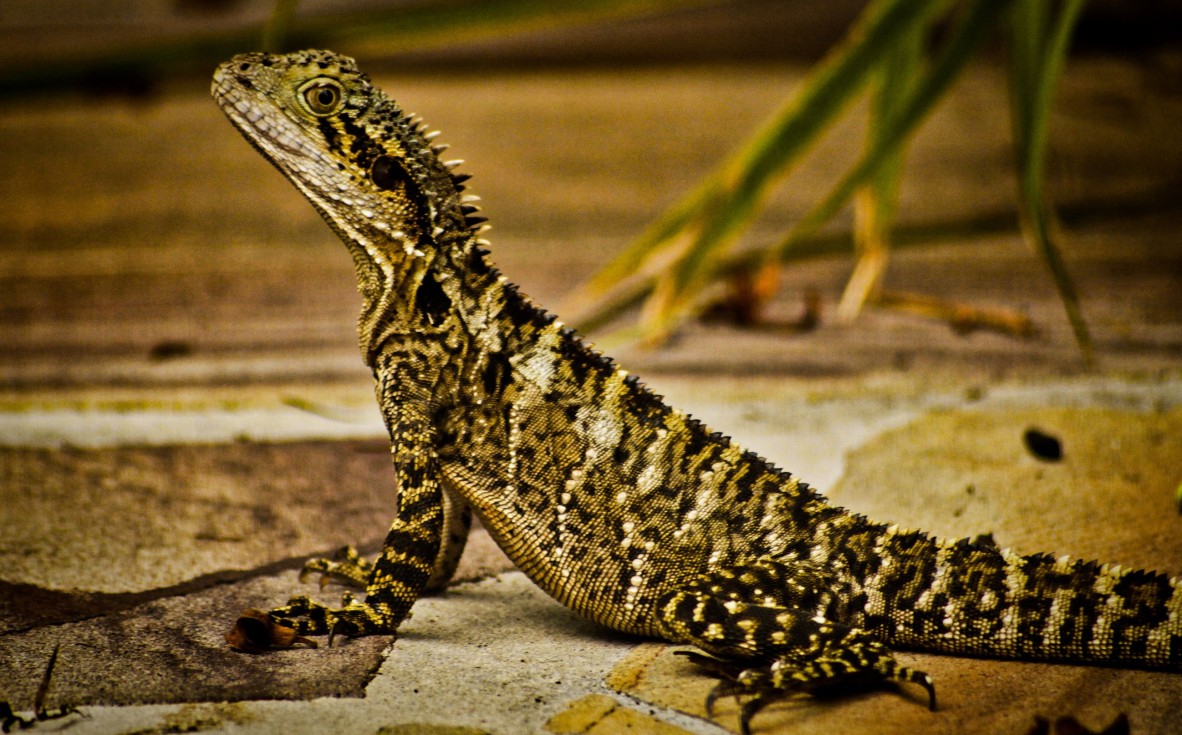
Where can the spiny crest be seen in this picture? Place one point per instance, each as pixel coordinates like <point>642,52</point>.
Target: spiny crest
<point>415,139</point>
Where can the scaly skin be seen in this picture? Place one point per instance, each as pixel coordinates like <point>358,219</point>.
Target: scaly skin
<point>623,509</point>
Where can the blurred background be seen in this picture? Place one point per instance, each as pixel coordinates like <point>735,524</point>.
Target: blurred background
<point>65,34</point>
<point>143,243</point>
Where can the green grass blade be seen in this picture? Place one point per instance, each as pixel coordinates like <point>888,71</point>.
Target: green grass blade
<point>1027,26</point>
<point>731,196</point>
<point>875,202</point>
<point>278,26</point>
<point>1038,49</point>
<point>900,73</point>
<point>957,231</point>
<point>638,259</point>
<point>979,19</point>
<point>773,154</point>
<point>401,26</point>
<point>726,198</point>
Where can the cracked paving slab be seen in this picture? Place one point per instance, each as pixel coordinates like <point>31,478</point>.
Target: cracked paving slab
<point>129,554</point>
<point>141,643</point>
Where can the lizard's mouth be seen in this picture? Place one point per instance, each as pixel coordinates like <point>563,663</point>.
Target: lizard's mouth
<point>248,112</point>
<point>272,133</point>
<point>269,131</point>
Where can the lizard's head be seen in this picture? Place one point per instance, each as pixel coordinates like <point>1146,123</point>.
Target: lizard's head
<point>366,166</point>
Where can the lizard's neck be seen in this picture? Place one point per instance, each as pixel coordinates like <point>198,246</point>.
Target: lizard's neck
<point>443,287</point>
<point>387,281</point>
<point>394,274</point>
<point>408,234</point>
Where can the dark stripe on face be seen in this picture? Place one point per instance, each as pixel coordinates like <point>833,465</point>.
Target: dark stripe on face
<point>389,173</point>
<point>331,135</point>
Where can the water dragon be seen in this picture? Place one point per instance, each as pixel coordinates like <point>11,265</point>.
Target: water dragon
<point>622,508</point>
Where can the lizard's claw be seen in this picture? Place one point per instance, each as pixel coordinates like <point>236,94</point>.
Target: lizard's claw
<point>719,667</point>
<point>863,663</point>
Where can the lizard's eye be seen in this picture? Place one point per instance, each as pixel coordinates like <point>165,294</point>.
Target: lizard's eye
<point>322,96</point>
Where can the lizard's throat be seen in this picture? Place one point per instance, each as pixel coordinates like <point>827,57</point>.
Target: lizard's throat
<point>384,256</point>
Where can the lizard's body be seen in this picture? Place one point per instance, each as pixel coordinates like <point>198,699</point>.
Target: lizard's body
<point>627,511</point>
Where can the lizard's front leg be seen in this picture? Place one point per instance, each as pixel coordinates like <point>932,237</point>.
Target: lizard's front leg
<point>403,568</point>
<point>349,567</point>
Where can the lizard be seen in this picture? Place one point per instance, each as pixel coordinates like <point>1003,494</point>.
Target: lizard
<point>622,508</point>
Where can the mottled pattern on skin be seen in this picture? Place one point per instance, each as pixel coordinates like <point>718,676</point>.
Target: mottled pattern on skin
<point>624,509</point>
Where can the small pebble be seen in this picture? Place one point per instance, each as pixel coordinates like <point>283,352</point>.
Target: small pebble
<point>1042,445</point>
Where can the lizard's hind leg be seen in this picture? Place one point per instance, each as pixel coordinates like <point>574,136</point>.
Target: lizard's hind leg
<point>774,639</point>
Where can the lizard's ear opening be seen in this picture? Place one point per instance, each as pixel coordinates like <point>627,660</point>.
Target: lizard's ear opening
<point>388,174</point>
<point>322,96</point>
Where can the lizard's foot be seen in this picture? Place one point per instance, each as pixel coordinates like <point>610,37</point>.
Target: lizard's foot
<point>346,566</point>
<point>856,662</point>
<point>352,618</point>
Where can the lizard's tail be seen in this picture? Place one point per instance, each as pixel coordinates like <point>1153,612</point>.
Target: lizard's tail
<point>972,598</point>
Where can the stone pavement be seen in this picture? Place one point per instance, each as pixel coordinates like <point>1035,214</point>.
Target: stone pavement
<point>184,418</point>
